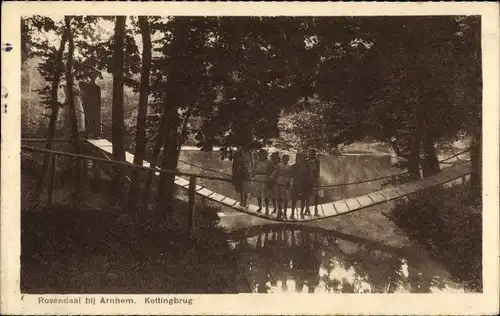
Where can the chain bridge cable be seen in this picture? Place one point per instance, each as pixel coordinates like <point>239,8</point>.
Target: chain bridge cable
<point>206,169</point>
<point>384,177</point>
<point>332,185</point>
<point>180,173</point>
<point>122,163</point>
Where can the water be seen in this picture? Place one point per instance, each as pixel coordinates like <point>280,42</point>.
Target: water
<point>361,252</point>
<point>291,259</point>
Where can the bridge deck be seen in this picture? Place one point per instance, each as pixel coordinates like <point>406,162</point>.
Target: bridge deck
<point>326,210</point>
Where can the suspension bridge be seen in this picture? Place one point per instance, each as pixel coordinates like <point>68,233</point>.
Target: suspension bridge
<point>103,148</point>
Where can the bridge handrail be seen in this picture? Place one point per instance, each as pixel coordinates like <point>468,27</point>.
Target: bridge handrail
<point>123,163</point>
<point>385,177</point>
<point>181,173</point>
<point>336,184</point>
<point>203,168</point>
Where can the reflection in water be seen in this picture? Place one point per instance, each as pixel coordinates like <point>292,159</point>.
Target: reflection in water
<point>303,259</point>
<point>343,169</point>
<point>280,258</point>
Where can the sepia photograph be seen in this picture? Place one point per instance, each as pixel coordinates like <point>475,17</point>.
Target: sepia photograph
<point>177,154</point>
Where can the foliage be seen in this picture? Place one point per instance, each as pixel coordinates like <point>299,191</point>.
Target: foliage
<point>372,86</point>
<point>293,81</point>
<point>447,221</point>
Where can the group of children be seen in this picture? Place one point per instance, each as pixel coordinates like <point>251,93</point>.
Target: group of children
<point>274,179</point>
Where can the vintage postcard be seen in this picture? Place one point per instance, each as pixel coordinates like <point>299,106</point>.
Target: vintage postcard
<point>250,158</point>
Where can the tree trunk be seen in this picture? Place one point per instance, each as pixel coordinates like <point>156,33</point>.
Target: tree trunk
<point>169,120</point>
<point>171,152</point>
<point>184,128</point>
<point>72,107</point>
<point>415,144</point>
<point>166,185</point>
<point>165,118</point>
<point>430,163</point>
<point>154,159</point>
<point>140,136</point>
<point>476,158</point>
<point>54,103</point>
<point>91,99</point>
<point>118,116</point>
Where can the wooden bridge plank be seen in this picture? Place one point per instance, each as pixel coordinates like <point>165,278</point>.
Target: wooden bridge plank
<point>341,206</point>
<point>352,203</point>
<point>321,211</point>
<point>100,142</point>
<point>217,197</point>
<point>328,209</point>
<point>400,190</point>
<point>448,174</point>
<point>229,201</point>
<point>426,183</point>
<point>181,181</point>
<point>411,187</point>
<point>236,206</point>
<point>252,208</point>
<point>389,194</point>
<point>364,200</point>
<point>377,197</point>
<point>104,147</point>
<point>204,192</point>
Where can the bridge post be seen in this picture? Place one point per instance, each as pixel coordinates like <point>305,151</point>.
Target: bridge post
<point>52,181</point>
<point>192,199</point>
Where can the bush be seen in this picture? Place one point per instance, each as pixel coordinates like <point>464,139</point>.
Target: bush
<point>448,223</point>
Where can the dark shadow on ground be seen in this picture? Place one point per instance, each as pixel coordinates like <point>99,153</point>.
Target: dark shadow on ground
<point>447,222</point>
<point>84,249</point>
<point>66,250</point>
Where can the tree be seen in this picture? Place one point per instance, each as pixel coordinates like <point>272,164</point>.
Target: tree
<point>175,93</point>
<point>393,86</point>
<point>471,81</point>
<point>118,127</point>
<point>71,105</point>
<point>140,140</point>
<point>52,71</point>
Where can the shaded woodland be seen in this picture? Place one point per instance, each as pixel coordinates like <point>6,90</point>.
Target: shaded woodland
<point>224,81</point>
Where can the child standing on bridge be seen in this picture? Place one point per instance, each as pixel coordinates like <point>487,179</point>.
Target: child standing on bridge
<point>283,185</point>
<point>262,170</point>
<point>275,160</point>
<point>242,168</point>
<point>314,169</point>
<point>301,185</point>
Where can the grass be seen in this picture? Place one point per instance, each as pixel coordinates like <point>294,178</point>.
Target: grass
<point>69,250</point>
<point>447,222</point>
<point>77,249</point>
